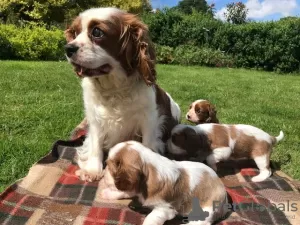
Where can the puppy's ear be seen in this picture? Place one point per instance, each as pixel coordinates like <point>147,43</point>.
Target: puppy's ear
<point>182,136</point>
<point>71,31</point>
<point>138,49</point>
<point>212,112</point>
<point>127,178</point>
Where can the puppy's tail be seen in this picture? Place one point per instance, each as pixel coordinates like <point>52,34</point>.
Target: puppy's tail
<point>278,138</point>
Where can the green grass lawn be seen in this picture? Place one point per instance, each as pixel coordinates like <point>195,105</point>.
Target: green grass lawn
<point>41,102</point>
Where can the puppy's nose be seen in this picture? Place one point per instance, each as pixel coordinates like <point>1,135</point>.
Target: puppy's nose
<point>71,49</point>
<point>188,116</point>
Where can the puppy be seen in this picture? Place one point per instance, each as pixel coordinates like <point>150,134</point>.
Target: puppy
<point>202,111</point>
<point>216,142</point>
<point>112,52</point>
<point>167,186</point>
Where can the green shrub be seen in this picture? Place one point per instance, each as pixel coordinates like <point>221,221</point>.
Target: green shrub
<point>6,49</point>
<point>271,46</point>
<point>164,54</point>
<point>192,55</point>
<point>32,43</point>
<point>161,26</point>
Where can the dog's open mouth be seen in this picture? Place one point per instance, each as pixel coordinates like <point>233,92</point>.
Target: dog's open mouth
<point>83,71</point>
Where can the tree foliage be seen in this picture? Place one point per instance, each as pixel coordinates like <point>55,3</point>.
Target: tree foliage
<point>58,11</point>
<point>187,6</point>
<point>236,13</point>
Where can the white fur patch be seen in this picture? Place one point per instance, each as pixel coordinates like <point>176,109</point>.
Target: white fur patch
<point>195,171</point>
<point>262,163</point>
<point>222,153</point>
<point>175,109</point>
<point>206,128</point>
<point>255,132</point>
<point>97,13</point>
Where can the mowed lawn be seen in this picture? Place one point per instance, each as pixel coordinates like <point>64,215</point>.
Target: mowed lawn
<point>41,102</point>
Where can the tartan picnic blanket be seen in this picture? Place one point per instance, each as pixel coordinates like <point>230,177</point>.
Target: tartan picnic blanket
<point>52,194</point>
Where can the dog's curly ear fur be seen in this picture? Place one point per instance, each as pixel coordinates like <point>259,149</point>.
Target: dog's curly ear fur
<point>138,48</point>
<point>212,115</point>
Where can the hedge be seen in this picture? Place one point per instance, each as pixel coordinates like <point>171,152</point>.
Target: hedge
<point>195,39</point>
<point>31,43</point>
<point>272,46</point>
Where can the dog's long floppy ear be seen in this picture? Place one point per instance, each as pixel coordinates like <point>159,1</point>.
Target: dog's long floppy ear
<point>212,112</point>
<point>138,48</point>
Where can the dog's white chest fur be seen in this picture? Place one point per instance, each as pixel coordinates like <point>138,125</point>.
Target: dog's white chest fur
<point>120,110</point>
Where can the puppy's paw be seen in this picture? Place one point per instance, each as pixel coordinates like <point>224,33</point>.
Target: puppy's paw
<point>91,170</point>
<point>86,176</point>
<point>262,176</point>
<point>111,194</point>
<point>108,194</point>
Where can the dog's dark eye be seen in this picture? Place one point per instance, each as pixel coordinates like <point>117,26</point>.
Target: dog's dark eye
<point>97,33</point>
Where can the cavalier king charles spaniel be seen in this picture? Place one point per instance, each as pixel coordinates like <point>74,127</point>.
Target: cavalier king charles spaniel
<point>166,186</point>
<point>219,142</point>
<point>112,52</point>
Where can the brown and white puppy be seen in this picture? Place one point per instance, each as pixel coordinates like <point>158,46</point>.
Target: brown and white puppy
<point>166,186</point>
<point>112,52</point>
<point>216,142</point>
<point>202,111</point>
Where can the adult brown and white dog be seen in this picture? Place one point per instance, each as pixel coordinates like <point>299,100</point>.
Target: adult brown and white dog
<point>168,187</point>
<point>202,111</point>
<point>112,52</point>
<point>216,142</point>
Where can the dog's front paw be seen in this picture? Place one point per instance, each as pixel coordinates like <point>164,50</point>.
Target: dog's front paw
<point>108,194</point>
<point>111,194</point>
<point>91,170</point>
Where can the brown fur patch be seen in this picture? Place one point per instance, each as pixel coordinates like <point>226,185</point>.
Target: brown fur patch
<point>126,39</point>
<point>219,137</point>
<point>125,168</point>
<point>206,112</point>
<point>209,189</point>
<point>249,146</point>
<point>73,30</point>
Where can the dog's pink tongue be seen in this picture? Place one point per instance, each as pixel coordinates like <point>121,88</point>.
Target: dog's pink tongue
<point>80,72</point>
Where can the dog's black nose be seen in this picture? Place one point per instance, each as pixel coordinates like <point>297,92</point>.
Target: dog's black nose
<point>188,116</point>
<point>71,49</point>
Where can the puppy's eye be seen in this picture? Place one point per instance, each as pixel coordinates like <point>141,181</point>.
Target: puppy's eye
<point>117,163</point>
<point>97,33</point>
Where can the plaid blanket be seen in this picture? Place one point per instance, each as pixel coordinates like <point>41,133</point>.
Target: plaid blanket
<point>52,194</point>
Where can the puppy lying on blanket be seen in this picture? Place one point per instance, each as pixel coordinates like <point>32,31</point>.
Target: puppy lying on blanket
<point>216,142</point>
<point>166,186</point>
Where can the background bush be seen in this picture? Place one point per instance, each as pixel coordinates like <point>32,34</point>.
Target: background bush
<point>272,46</point>
<point>188,39</point>
<point>31,43</point>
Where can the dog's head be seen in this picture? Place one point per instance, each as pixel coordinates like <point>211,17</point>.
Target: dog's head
<point>125,168</point>
<point>202,111</point>
<point>187,141</point>
<point>110,42</point>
